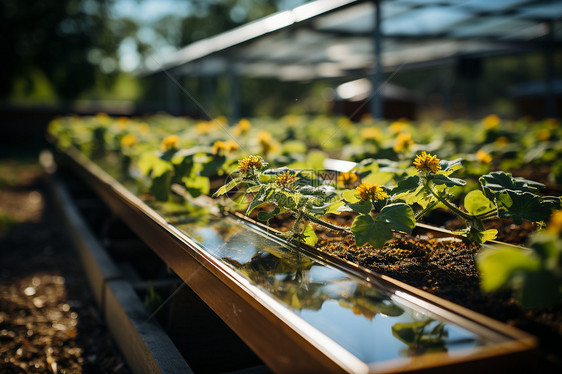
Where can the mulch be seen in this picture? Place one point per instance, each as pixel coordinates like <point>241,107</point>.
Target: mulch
<point>49,321</point>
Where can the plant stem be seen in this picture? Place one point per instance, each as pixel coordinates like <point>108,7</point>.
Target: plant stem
<point>326,224</point>
<point>488,214</point>
<point>425,210</point>
<point>449,205</point>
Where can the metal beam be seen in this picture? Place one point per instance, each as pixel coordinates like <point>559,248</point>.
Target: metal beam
<point>376,78</point>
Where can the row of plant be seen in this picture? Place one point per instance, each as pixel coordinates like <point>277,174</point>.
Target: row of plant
<point>384,196</point>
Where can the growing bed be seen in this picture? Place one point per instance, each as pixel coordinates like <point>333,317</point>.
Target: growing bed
<point>300,309</point>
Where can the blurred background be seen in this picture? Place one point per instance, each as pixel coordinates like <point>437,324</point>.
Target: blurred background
<point>439,59</point>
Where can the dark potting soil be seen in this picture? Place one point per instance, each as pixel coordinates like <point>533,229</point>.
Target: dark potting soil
<point>447,268</point>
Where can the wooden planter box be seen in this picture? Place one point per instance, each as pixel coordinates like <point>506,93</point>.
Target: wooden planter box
<point>301,311</point>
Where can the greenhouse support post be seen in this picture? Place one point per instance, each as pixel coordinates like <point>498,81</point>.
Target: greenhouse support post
<point>550,98</point>
<point>376,79</point>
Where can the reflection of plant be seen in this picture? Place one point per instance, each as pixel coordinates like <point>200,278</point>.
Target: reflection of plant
<point>421,336</point>
<point>152,300</point>
<point>501,196</point>
<point>367,303</point>
<point>535,273</point>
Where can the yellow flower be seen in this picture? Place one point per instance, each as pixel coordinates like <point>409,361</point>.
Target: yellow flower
<point>221,120</point>
<point>552,123</point>
<point>502,141</point>
<point>204,127</point>
<point>491,121</point>
<point>371,192</point>
<point>250,164</point>
<point>483,157</point>
<point>144,128</point>
<point>266,142</point>
<point>287,180</point>
<point>544,134</point>
<point>347,179</point>
<point>403,142</point>
<point>398,126</point>
<point>242,127</point>
<point>427,162</point>
<point>371,133</point>
<point>122,123</point>
<point>344,122</point>
<point>291,119</point>
<point>222,148</point>
<point>170,142</point>
<point>129,140</point>
<point>448,125</point>
<point>367,118</point>
<point>102,117</point>
<point>555,223</point>
<point>244,124</point>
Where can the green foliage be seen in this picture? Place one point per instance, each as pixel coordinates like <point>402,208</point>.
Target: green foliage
<point>371,231</point>
<point>152,300</point>
<point>177,167</point>
<point>422,336</point>
<point>535,273</point>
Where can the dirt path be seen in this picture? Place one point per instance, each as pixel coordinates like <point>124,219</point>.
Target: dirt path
<point>49,321</point>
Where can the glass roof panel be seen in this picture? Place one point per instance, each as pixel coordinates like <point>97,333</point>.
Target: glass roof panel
<point>492,6</point>
<point>424,21</point>
<point>491,26</point>
<point>544,10</point>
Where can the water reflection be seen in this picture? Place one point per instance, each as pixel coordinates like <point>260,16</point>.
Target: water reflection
<point>358,316</point>
<point>354,313</point>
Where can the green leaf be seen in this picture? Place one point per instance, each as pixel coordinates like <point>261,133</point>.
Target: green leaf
<point>227,187</point>
<point>520,206</point>
<point>196,185</point>
<point>418,196</point>
<point>482,236</point>
<point>309,235</point>
<point>537,289</point>
<point>259,198</point>
<point>334,207</point>
<point>500,181</point>
<point>380,178</point>
<point>362,206</point>
<point>409,184</point>
<point>213,166</point>
<point>160,187</point>
<point>350,196</point>
<point>547,245</point>
<point>440,179</point>
<point>266,216</point>
<point>475,203</point>
<point>498,265</point>
<point>150,163</point>
<point>182,169</point>
<point>448,167</point>
<point>399,216</point>
<point>366,230</point>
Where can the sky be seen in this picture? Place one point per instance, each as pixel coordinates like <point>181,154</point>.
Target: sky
<point>146,12</point>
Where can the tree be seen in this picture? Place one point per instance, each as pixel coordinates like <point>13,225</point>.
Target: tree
<point>53,38</point>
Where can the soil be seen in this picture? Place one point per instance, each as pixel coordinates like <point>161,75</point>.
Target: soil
<point>446,268</point>
<point>49,322</point>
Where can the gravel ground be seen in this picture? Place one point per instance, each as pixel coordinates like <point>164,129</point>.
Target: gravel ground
<point>49,322</point>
